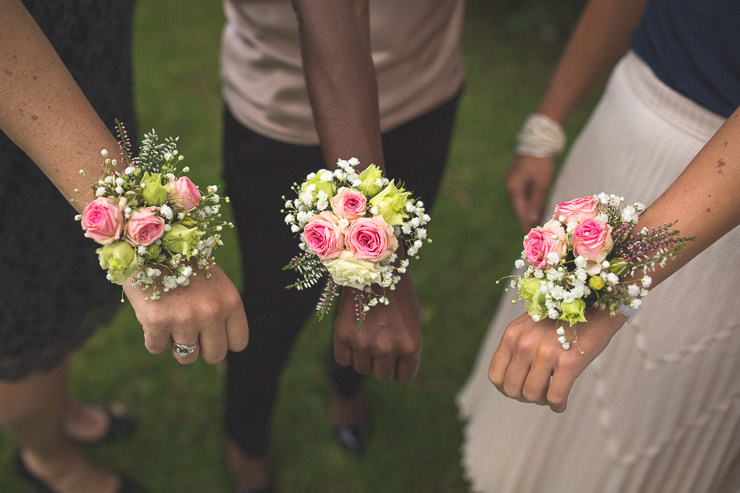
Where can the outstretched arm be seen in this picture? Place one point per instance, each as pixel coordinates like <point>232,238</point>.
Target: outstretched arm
<point>529,364</point>
<point>46,114</point>
<point>342,85</point>
<point>600,38</point>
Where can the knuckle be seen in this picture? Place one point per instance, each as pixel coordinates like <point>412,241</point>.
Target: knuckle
<point>383,347</point>
<point>526,344</point>
<point>566,364</point>
<point>212,359</point>
<point>556,401</point>
<point>531,396</point>
<point>494,378</point>
<point>153,348</point>
<point>209,311</point>
<point>511,391</point>
<point>383,377</point>
<point>407,376</point>
<point>549,352</point>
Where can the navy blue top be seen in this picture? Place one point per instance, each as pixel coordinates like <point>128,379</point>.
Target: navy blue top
<point>693,46</point>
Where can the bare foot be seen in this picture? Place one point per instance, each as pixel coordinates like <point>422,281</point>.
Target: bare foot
<point>84,422</point>
<point>71,473</point>
<point>249,471</point>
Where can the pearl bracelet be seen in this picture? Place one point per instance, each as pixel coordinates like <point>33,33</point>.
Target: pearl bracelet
<point>540,136</point>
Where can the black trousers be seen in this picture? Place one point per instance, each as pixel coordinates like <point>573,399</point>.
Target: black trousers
<point>258,172</point>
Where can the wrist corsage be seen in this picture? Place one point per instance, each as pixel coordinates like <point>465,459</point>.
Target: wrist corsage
<point>350,227</point>
<point>588,255</point>
<point>156,226</point>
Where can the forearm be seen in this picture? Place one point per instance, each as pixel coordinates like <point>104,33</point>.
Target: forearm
<point>43,110</point>
<point>341,79</point>
<point>703,199</point>
<point>600,38</point>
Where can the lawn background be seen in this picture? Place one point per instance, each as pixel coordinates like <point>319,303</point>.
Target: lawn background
<point>510,51</point>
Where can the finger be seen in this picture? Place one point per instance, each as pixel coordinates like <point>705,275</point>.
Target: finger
<point>237,331</point>
<point>156,342</point>
<point>499,363</point>
<point>536,205</point>
<point>560,386</point>
<point>516,375</point>
<point>537,383</point>
<point>384,368</point>
<point>213,345</point>
<point>189,358</point>
<point>407,367</point>
<point>361,362</point>
<point>342,353</point>
<point>518,199</point>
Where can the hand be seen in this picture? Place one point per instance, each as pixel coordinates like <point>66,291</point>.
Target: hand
<point>388,343</point>
<point>527,182</point>
<point>531,366</point>
<point>208,312</point>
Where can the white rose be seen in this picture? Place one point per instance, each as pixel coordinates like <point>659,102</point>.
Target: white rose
<point>348,271</point>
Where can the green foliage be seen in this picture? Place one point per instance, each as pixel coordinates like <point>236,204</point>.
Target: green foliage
<point>416,438</point>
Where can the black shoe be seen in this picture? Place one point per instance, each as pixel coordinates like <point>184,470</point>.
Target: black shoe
<point>127,486</point>
<point>120,426</point>
<point>354,438</point>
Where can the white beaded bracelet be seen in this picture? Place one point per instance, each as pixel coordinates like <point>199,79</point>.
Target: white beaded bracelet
<point>540,136</point>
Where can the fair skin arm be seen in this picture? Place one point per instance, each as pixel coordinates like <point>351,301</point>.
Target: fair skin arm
<point>342,85</point>
<point>600,38</point>
<point>529,364</point>
<point>46,114</point>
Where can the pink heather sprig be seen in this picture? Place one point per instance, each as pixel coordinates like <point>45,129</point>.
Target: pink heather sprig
<point>124,144</point>
<point>650,247</point>
<point>328,295</point>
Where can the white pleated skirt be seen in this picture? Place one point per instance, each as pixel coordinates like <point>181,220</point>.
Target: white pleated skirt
<point>659,410</point>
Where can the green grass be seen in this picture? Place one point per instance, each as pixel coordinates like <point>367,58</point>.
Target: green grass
<point>414,447</point>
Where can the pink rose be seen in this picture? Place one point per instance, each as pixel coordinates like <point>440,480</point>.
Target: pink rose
<point>370,239</point>
<point>324,236</point>
<point>592,239</point>
<point>348,204</point>
<point>144,227</point>
<point>184,194</point>
<point>102,220</point>
<point>556,228</point>
<point>540,243</point>
<point>577,210</point>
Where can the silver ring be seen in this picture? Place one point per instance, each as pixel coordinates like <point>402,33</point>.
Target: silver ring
<point>183,350</point>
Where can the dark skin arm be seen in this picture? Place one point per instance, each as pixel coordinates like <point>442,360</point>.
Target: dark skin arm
<point>342,86</point>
